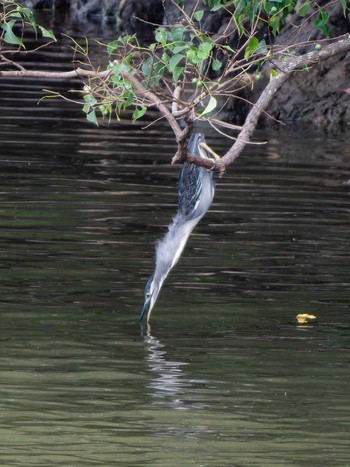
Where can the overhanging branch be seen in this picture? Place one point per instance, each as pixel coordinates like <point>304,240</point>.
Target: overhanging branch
<point>342,45</point>
<point>77,73</point>
<point>150,98</point>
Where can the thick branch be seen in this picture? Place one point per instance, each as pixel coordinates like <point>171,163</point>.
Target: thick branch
<point>77,73</point>
<point>285,71</point>
<point>206,163</point>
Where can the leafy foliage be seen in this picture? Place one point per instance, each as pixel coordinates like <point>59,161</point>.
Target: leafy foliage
<point>186,68</point>
<point>187,57</point>
<point>14,17</point>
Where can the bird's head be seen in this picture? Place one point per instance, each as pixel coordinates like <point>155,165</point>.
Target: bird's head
<point>193,144</point>
<point>151,293</point>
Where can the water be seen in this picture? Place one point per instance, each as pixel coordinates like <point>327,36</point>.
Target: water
<point>224,376</point>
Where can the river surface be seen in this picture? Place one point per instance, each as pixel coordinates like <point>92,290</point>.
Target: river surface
<point>223,377</point>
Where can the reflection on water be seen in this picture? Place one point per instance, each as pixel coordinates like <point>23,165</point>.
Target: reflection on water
<point>169,382</point>
<point>224,377</point>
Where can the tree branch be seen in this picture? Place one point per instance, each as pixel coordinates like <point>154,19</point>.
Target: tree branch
<point>145,93</point>
<point>77,73</point>
<point>285,70</point>
<point>151,99</point>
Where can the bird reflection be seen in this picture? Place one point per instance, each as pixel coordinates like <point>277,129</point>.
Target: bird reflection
<point>170,385</point>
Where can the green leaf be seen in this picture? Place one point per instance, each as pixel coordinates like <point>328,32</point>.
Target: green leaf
<point>14,14</point>
<point>198,15</point>
<point>138,113</point>
<point>177,33</point>
<point>161,36</point>
<point>262,49</point>
<point>112,46</point>
<point>174,61</point>
<point>252,45</point>
<point>177,72</point>
<point>47,33</point>
<point>193,57</point>
<point>91,117</point>
<point>273,73</point>
<point>116,70</point>
<point>180,46</point>
<point>227,47</point>
<point>165,57</point>
<point>89,102</point>
<point>147,66</point>
<point>29,15</point>
<point>216,65</point>
<point>343,4</point>
<point>10,37</point>
<point>275,23</point>
<point>129,99</point>
<point>125,67</point>
<point>204,50</point>
<point>152,68</point>
<point>105,109</point>
<point>217,7</point>
<point>321,22</point>
<point>304,9</point>
<point>210,106</point>
<point>206,47</point>
<point>127,40</point>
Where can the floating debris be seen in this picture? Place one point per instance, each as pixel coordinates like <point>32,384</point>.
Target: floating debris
<point>305,318</point>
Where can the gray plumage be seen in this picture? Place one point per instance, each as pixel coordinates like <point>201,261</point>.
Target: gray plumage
<point>195,195</point>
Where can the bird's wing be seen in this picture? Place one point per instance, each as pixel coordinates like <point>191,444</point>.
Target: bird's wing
<point>190,188</point>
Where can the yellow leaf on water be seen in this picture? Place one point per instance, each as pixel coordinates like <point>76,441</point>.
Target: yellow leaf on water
<point>304,318</point>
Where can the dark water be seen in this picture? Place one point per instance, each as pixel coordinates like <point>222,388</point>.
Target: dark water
<point>223,377</point>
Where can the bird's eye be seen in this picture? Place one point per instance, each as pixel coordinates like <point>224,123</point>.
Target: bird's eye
<point>148,295</point>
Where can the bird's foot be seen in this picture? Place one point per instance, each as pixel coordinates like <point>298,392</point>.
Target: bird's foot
<point>206,152</point>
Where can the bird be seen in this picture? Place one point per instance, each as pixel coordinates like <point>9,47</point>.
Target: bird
<point>195,194</point>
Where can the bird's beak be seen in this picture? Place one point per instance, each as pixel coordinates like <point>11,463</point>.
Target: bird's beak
<point>150,300</point>
<point>145,309</point>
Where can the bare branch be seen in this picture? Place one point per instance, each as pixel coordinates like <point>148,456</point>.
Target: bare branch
<point>77,73</point>
<point>206,163</point>
<point>6,61</point>
<point>176,98</point>
<point>224,124</point>
<point>286,69</point>
<point>27,51</point>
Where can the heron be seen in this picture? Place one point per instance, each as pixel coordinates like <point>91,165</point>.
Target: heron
<point>195,195</point>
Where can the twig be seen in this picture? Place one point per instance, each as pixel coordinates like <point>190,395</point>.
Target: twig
<point>6,61</point>
<point>257,143</point>
<point>225,124</point>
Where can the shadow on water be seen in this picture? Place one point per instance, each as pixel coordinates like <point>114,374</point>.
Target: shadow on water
<point>223,377</point>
